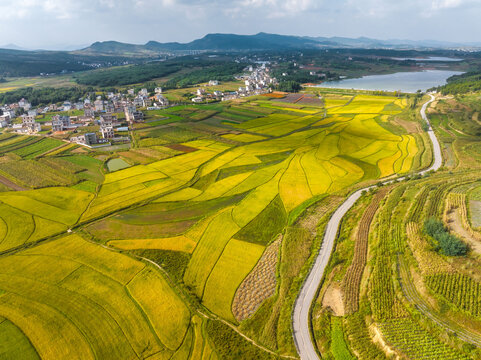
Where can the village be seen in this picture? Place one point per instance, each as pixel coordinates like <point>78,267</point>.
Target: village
<point>109,118</point>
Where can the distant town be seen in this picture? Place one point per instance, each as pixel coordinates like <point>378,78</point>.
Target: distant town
<point>108,119</point>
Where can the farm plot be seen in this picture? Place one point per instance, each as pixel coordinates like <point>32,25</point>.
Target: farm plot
<point>129,186</point>
<point>33,215</point>
<point>94,303</point>
<point>365,104</point>
<point>292,168</point>
<point>212,208</point>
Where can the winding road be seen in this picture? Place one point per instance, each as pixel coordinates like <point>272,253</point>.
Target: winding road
<point>300,318</point>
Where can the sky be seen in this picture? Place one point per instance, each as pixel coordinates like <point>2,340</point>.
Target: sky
<point>61,24</point>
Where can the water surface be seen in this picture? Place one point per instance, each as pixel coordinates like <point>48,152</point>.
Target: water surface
<point>431,58</point>
<point>408,82</point>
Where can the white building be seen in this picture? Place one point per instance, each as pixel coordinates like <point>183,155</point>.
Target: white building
<point>29,124</point>
<point>107,132</point>
<point>67,106</point>
<point>99,105</point>
<point>24,104</point>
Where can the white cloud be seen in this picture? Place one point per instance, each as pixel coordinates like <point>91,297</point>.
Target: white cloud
<point>447,4</point>
<point>184,20</point>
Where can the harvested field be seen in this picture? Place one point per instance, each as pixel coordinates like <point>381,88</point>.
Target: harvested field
<point>180,147</point>
<point>259,285</point>
<point>352,279</point>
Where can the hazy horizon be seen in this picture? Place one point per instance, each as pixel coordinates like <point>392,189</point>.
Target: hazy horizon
<point>56,24</point>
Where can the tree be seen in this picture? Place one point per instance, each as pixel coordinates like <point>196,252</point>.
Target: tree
<point>289,86</point>
<point>448,244</point>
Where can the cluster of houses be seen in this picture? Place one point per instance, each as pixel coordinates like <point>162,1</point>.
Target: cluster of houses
<point>101,112</point>
<point>257,82</point>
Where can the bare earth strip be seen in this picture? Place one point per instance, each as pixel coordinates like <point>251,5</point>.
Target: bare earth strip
<point>11,184</point>
<point>352,279</point>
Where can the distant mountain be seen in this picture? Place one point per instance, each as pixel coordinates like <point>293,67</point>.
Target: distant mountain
<point>215,42</point>
<point>263,41</point>
<point>113,47</point>
<point>364,42</point>
<point>12,47</point>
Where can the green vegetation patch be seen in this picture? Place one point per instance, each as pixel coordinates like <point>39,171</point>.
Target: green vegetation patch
<point>38,148</point>
<point>14,344</point>
<point>449,244</point>
<point>117,164</point>
<point>174,262</point>
<point>339,347</point>
<point>87,185</point>
<point>230,345</point>
<point>265,226</point>
<point>167,135</point>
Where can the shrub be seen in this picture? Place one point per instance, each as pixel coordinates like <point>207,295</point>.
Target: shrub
<point>448,244</point>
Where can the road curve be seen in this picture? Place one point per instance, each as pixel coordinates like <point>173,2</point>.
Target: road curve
<point>300,318</point>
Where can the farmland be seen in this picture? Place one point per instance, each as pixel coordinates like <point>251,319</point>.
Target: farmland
<point>409,291</point>
<point>160,251</point>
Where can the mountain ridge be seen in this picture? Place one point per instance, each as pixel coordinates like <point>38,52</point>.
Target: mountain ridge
<point>264,41</point>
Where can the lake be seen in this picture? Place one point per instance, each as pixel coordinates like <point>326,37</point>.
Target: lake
<point>431,58</point>
<point>408,82</point>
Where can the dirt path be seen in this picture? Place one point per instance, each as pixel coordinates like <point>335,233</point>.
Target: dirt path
<point>11,184</point>
<point>476,117</point>
<point>455,224</point>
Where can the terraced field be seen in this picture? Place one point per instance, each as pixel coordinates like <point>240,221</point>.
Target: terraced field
<point>411,292</point>
<point>143,262</point>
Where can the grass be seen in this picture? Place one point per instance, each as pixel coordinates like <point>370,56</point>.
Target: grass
<point>117,164</point>
<point>15,344</point>
<point>339,348</point>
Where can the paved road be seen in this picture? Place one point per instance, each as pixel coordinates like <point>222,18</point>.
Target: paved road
<point>301,318</point>
<point>438,159</point>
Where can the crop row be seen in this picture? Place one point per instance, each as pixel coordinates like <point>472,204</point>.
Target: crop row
<point>416,343</point>
<point>429,261</point>
<point>352,279</point>
<point>384,302</point>
<point>459,290</point>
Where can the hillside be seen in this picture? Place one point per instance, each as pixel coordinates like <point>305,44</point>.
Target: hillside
<point>265,41</point>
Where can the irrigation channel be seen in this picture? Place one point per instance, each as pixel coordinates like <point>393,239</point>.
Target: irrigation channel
<point>300,318</point>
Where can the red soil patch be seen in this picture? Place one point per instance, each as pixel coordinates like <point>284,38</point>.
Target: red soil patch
<point>183,148</point>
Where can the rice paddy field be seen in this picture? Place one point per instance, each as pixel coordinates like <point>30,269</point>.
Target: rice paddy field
<point>139,254</point>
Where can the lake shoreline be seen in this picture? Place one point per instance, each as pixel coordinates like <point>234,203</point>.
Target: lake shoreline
<point>406,82</point>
